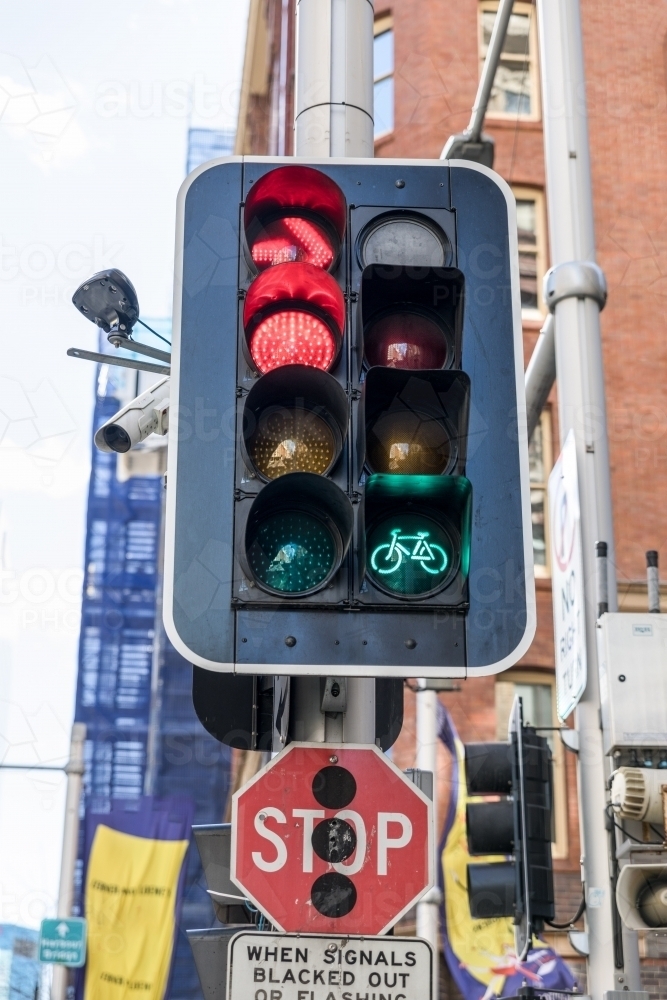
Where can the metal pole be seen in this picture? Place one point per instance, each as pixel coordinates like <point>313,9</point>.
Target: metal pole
<point>74,771</point>
<point>470,144</point>
<point>334,78</point>
<point>428,908</point>
<point>485,86</point>
<point>333,116</point>
<point>581,407</point>
<point>540,374</point>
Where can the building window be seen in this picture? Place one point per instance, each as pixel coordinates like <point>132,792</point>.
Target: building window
<point>538,693</point>
<point>383,76</point>
<point>532,250</point>
<point>539,463</point>
<point>515,92</point>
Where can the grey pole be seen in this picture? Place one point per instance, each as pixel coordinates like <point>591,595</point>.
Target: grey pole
<point>333,113</point>
<point>540,374</point>
<point>334,117</point>
<point>74,771</point>
<point>582,408</point>
<point>485,86</point>
<point>471,144</point>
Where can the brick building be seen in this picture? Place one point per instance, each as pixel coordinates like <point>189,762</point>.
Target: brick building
<point>428,56</point>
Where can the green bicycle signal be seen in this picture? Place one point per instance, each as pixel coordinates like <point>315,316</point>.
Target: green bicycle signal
<point>413,559</point>
<point>394,552</point>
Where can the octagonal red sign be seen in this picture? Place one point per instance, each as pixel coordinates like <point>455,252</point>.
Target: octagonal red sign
<point>332,839</point>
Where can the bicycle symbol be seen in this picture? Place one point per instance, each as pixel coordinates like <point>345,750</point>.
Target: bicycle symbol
<point>391,554</point>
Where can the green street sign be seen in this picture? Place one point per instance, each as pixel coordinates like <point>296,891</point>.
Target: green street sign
<point>63,941</point>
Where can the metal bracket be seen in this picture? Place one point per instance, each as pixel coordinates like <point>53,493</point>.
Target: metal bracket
<point>438,684</point>
<point>118,340</point>
<point>462,146</point>
<point>109,359</point>
<point>422,779</point>
<point>334,696</point>
<point>579,941</point>
<point>580,279</point>
<point>570,739</point>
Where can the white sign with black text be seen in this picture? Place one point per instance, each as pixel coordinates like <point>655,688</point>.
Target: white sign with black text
<point>321,967</point>
<point>567,571</point>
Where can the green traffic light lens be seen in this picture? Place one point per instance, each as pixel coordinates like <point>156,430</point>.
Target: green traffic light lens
<point>410,554</point>
<point>293,552</point>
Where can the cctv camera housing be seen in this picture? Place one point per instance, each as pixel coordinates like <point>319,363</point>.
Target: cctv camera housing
<point>147,414</point>
<point>108,299</point>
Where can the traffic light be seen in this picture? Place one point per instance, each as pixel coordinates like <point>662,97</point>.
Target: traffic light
<point>516,825</point>
<point>348,484</point>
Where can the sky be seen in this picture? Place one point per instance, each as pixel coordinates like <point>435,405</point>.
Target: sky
<point>94,113</point>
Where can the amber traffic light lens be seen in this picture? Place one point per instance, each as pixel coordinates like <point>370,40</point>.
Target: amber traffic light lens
<point>293,239</point>
<point>292,337</point>
<point>409,442</point>
<point>289,440</point>
<point>406,339</point>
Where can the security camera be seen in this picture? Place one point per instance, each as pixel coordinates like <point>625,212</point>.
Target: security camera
<point>109,300</point>
<point>147,414</point>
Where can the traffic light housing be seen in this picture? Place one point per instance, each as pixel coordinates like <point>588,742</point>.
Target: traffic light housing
<point>516,826</point>
<point>348,484</point>
<point>253,712</point>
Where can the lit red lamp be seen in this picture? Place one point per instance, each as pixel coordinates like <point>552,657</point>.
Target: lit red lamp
<point>294,215</point>
<point>294,314</point>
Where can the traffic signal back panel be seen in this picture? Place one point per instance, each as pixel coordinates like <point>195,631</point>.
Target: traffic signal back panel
<point>347,488</point>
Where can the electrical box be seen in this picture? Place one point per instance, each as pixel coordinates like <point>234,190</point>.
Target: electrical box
<point>632,651</point>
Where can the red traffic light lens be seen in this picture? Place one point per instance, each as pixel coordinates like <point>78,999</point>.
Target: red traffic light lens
<point>291,239</point>
<point>294,314</point>
<point>292,337</point>
<point>406,339</point>
<point>294,214</point>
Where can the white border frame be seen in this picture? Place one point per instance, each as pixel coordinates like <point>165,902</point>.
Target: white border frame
<point>335,748</point>
<point>298,936</point>
<point>345,670</point>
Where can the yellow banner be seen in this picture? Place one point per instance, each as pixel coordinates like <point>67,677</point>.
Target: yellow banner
<point>131,890</point>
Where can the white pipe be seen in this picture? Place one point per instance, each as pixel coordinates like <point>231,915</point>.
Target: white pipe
<point>74,771</point>
<point>428,908</point>
<point>334,78</point>
<point>581,400</point>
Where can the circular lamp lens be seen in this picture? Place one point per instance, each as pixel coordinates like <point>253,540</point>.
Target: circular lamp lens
<point>293,552</point>
<point>410,555</point>
<point>405,340</point>
<point>289,440</point>
<point>408,442</point>
<point>292,239</point>
<point>405,241</point>
<point>292,337</point>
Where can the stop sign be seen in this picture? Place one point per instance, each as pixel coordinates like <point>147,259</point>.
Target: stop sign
<point>332,839</point>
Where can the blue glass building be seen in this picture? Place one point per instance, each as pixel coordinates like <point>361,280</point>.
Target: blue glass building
<point>134,689</point>
<point>20,969</point>
<point>207,144</point>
